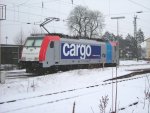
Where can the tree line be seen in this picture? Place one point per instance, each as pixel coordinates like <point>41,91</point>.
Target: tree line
<point>130,46</point>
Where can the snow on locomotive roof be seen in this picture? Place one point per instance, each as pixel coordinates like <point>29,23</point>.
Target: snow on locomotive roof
<point>69,37</point>
<point>81,41</point>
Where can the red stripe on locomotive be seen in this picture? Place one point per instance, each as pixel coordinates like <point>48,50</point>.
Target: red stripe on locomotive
<point>47,39</point>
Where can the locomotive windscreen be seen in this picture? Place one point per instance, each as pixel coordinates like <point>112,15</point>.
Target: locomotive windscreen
<point>33,42</point>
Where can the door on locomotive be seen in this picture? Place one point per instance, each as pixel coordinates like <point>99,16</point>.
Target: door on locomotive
<point>49,58</point>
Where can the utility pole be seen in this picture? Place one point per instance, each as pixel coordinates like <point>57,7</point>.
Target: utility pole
<point>135,33</point>
<point>117,18</point>
<point>117,59</point>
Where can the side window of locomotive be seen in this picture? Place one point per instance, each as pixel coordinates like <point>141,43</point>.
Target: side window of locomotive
<point>38,42</point>
<point>52,44</point>
<point>29,42</point>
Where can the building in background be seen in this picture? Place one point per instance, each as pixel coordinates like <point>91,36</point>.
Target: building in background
<point>9,55</point>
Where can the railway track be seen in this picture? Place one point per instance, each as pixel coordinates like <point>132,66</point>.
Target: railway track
<point>104,83</point>
<point>134,73</point>
<point>19,74</point>
<point>22,74</point>
<point>124,78</point>
<point>56,93</point>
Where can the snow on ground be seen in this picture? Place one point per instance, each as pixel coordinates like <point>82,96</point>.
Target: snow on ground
<point>56,93</point>
<point>134,62</point>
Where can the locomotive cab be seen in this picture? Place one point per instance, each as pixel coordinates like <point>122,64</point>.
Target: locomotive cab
<point>31,49</point>
<point>38,53</point>
<point>30,53</point>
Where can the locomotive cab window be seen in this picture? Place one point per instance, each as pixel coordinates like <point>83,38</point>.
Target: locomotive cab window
<point>32,42</point>
<point>52,44</point>
<point>38,42</point>
<point>29,42</point>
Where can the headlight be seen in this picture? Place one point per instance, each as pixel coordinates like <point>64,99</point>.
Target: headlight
<point>36,58</point>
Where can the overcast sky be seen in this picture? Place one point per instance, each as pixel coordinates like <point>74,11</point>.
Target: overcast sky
<point>21,12</point>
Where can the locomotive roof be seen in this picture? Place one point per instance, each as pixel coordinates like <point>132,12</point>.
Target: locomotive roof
<point>68,37</point>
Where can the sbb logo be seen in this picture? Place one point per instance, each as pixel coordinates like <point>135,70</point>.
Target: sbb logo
<point>76,50</point>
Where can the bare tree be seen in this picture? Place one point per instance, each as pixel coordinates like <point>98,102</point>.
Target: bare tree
<point>20,38</point>
<point>103,103</point>
<point>96,23</point>
<point>85,22</point>
<point>76,18</point>
<point>35,30</point>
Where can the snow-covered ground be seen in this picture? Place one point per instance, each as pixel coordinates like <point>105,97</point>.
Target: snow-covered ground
<point>129,62</point>
<point>56,93</point>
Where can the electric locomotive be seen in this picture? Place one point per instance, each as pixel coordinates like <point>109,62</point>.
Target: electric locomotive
<point>53,52</point>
